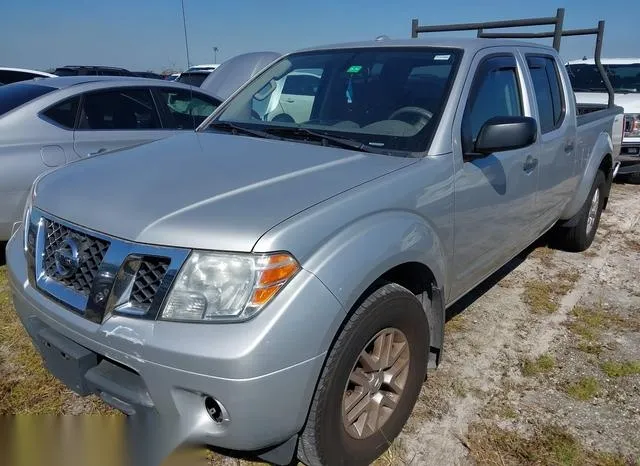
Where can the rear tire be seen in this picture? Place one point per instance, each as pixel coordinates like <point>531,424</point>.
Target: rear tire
<point>360,407</point>
<point>579,237</point>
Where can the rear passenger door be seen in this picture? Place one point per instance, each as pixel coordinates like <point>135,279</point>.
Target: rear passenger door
<point>494,194</point>
<point>557,133</point>
<point>117,118</point>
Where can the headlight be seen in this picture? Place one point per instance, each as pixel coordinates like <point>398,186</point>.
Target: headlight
<point>632,125</point>
<point>27,214</point>
<point>227,287</point>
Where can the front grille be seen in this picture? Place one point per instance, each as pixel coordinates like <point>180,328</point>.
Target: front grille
<point>147,281</point>
<point>91,251</point>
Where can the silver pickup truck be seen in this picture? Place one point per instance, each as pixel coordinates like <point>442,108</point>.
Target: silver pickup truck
<point>280,287</point>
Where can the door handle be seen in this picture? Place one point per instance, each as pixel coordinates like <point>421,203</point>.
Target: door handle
<point>99,151</point>
<point>530,164</point>
<point>289,101</point>
<point>568,149</point>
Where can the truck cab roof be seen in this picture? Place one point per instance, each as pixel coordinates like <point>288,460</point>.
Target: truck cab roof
<point>467,44</point>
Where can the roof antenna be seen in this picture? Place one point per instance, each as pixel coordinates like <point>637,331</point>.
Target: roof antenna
<point>186,41</point>
<point>186,46</point>
<point>382,37</point>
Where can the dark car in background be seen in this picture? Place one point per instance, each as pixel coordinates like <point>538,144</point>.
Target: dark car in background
<point>82,70</point>
<point>148,74</point>
<point>195,75</point>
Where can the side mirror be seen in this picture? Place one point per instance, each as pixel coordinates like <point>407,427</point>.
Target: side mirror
<point>504,133</point>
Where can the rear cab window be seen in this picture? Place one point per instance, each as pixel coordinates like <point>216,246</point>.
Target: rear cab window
<point>14,95</point>
<point>548,91</point>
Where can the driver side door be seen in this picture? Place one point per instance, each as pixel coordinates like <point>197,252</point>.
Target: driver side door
<point>494,193</point>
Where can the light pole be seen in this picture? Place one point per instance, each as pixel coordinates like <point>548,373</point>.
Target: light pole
<point>215,54</point>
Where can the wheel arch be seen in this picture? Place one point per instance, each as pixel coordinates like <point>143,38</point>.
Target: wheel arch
<point>392,246</point>
<point>599,158</point>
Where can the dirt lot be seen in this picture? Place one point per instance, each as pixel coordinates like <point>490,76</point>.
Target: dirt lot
<point>541,366</point>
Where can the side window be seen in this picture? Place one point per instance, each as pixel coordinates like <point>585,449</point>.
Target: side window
<point>120,109</point>
<point>495,92</point>
<point>64,113</point>
<point>549,98</point>
<point>185,109</point>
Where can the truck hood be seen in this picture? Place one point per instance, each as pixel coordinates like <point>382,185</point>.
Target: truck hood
<point>204,190</point>
<point>630,102</point>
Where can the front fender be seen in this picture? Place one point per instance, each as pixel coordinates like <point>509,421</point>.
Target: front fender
<point>356,256</point>
<point>601,149</point>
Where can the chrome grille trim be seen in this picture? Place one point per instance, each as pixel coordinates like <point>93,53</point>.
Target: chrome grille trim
<point>93,251</point>
<point>129,278</point>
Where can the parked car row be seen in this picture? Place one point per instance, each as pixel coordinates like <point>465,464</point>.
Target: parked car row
<point>193,76</point>
<point>50,122</point>
<point>277,281</point>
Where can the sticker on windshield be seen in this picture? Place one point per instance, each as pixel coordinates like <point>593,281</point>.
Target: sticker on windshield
<point>354,69</point>
<point>442,57</point>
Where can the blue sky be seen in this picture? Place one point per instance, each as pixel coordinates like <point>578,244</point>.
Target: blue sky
<point>142,35</point>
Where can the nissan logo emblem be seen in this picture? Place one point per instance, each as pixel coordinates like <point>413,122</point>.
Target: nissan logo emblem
<point>67,258</point>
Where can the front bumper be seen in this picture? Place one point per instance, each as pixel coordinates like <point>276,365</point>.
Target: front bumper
<point>629,158</point>
<point>262,372</point>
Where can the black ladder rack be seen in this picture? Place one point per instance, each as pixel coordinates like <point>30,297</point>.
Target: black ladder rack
<point>557,34</point>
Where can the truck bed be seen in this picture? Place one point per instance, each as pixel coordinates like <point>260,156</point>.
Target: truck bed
<point>588,113</point>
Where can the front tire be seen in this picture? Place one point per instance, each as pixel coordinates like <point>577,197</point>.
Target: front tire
<point>579,237</point>
<point>370,382</point>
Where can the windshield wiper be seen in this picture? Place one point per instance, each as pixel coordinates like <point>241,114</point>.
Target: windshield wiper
<point>323,138</point>
<point>237,129</point>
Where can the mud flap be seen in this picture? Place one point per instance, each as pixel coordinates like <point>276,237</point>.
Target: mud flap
<point>436,326</point>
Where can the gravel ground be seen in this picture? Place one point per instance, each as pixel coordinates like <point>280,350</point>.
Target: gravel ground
<point>541,364</point>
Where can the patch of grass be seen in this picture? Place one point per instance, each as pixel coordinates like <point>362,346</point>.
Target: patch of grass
<point>590,322</point>
<point>620,369</point>
<point>542,296</point>
<point>590,348</point>
<point>436,395</point>
<point>395,455</point>
<point>543,364</point>
<point>539,295</point>
<point>500,408</point>
<point>548,444</point>
<point>583,389</point>
<point>545,255</point>
<point>565,280</point>
<point>456,325</point>
<point>26,387</point>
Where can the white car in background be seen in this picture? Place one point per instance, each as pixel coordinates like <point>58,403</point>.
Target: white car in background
<point>624,74</point>
<point>195,75</point>
<point>14,75</point>
<point>290,98</point>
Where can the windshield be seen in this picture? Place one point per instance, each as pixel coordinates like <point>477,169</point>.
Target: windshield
<point>386,98</point>
<point>193,78</point>
<point>586,78</point>
<point>14,95</point>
